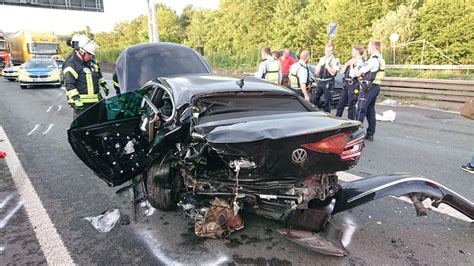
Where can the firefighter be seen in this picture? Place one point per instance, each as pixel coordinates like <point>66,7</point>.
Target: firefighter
<point>326,69</point>
<point>299,76</point>
<point>372,73</point>
<point>350,89</point>
<point>269,68</point>
<point>116,83</point>
<point>102,82</point>
<point>81,78</point>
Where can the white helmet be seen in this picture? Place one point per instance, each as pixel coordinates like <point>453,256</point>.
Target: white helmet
<point>85,43</point>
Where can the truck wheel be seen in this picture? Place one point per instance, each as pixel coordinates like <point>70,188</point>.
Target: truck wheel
<point>23,86</point>
<point>161,187</point>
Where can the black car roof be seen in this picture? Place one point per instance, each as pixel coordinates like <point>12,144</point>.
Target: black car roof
<point>184,87</point>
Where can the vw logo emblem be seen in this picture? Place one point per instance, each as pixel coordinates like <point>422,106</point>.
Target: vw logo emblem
<point>299,156</point>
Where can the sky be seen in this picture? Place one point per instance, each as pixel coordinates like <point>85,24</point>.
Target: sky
<point>63,22</point>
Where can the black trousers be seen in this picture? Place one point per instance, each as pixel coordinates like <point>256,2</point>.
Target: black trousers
<point>366,107</point>
<point>326,88</point>
<point>348,98</point>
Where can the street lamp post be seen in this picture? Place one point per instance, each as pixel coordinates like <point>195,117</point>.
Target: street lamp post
<point>153,35</point>
<point>394,37</point>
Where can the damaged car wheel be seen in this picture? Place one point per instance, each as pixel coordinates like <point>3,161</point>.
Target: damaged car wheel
<point>161,188</point>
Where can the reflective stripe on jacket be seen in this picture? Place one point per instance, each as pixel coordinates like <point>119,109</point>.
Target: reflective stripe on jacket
<point>294,79</point>
<point>81,81</point>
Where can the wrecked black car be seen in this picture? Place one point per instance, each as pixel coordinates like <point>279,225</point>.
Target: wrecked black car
<point>215,145</point>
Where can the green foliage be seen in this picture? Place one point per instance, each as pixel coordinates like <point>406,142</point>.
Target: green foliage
<point>233,35</point>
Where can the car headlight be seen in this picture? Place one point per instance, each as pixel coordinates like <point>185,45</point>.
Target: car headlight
<point>54,73</point>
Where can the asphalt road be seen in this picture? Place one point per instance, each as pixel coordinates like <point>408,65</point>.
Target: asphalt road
<point>428,143</point>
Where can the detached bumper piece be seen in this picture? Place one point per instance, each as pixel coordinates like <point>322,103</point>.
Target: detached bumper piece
<point>356,193</point>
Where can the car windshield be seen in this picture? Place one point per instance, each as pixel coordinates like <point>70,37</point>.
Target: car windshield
<point>2,46</point>
<point>45,48</point>
<point>41,64</point>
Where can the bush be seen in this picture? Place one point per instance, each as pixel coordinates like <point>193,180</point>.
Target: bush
<point>108,55</point>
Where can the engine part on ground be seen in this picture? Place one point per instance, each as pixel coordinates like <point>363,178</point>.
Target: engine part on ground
<point>328,242</point>
<point>220,221</point>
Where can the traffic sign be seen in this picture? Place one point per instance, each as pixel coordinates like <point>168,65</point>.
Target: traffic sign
<point>332,29</point>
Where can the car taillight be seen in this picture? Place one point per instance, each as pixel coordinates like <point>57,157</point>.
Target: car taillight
<point>339,144</point>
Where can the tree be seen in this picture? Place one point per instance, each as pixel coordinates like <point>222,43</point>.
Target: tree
<point>447,25</point>
<point>169,28</point>
<point>400,21</point>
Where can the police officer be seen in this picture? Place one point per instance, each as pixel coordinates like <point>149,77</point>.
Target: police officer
<point>350,89</point>
<point>299,76</point>
<point>326,69</point>
<point>372,73</point>
<point>80,76</point>
<point>269,68</point>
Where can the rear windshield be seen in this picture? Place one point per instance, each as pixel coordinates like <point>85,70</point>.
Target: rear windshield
<point>251,104</point>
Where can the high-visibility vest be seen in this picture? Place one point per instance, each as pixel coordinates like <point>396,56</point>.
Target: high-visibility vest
<point>294,79</point>
<point>272,70</point>
<point>376,77</point>
<point>86,80</point>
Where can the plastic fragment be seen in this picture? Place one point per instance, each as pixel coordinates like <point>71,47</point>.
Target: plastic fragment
<point>3,154</point>
<point>387,116</point>
<point>106,221</point>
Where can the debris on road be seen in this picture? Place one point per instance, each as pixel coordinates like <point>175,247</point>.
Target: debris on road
<point>386,116</point>
<point>3,154</point>
<point>106,221</point>
<point>389,102</point>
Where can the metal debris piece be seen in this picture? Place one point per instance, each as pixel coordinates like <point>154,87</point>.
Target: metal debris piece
<point>327,242</point>
<point>220,221</point>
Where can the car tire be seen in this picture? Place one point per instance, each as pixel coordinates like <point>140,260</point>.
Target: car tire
<point>161,186</point>
<point>23,87</point>
<point>11,79</point>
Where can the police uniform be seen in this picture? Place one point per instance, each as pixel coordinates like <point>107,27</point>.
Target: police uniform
<point>374,71</point>
<point>269,69</point>
<point>350,89</point>
<point>299,74</point>
<point>326,82</point>
<point>81,80</point>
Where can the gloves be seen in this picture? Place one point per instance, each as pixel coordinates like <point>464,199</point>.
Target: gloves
<point>79,104</point>
<point>106,90</point>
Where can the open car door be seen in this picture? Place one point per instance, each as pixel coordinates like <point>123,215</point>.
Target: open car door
<point>113,136</point>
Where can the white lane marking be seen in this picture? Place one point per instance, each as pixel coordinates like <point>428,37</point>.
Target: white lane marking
<point>51,244</point>
<point>33,130</point>
<point>59,108</point>
<point>6,200</point>
<point>49,109</point>
<point>443,208</point>
<point>7,218</point>
<point>48,129</point>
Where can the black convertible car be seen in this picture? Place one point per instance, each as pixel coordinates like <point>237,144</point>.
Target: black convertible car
<point>214,145</point>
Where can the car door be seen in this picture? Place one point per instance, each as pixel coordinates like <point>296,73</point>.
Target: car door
<point>113,136</point>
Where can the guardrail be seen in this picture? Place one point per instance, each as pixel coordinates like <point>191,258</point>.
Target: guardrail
<point>456,91</point>
<point>429,89</point>
<point>432,67</point>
